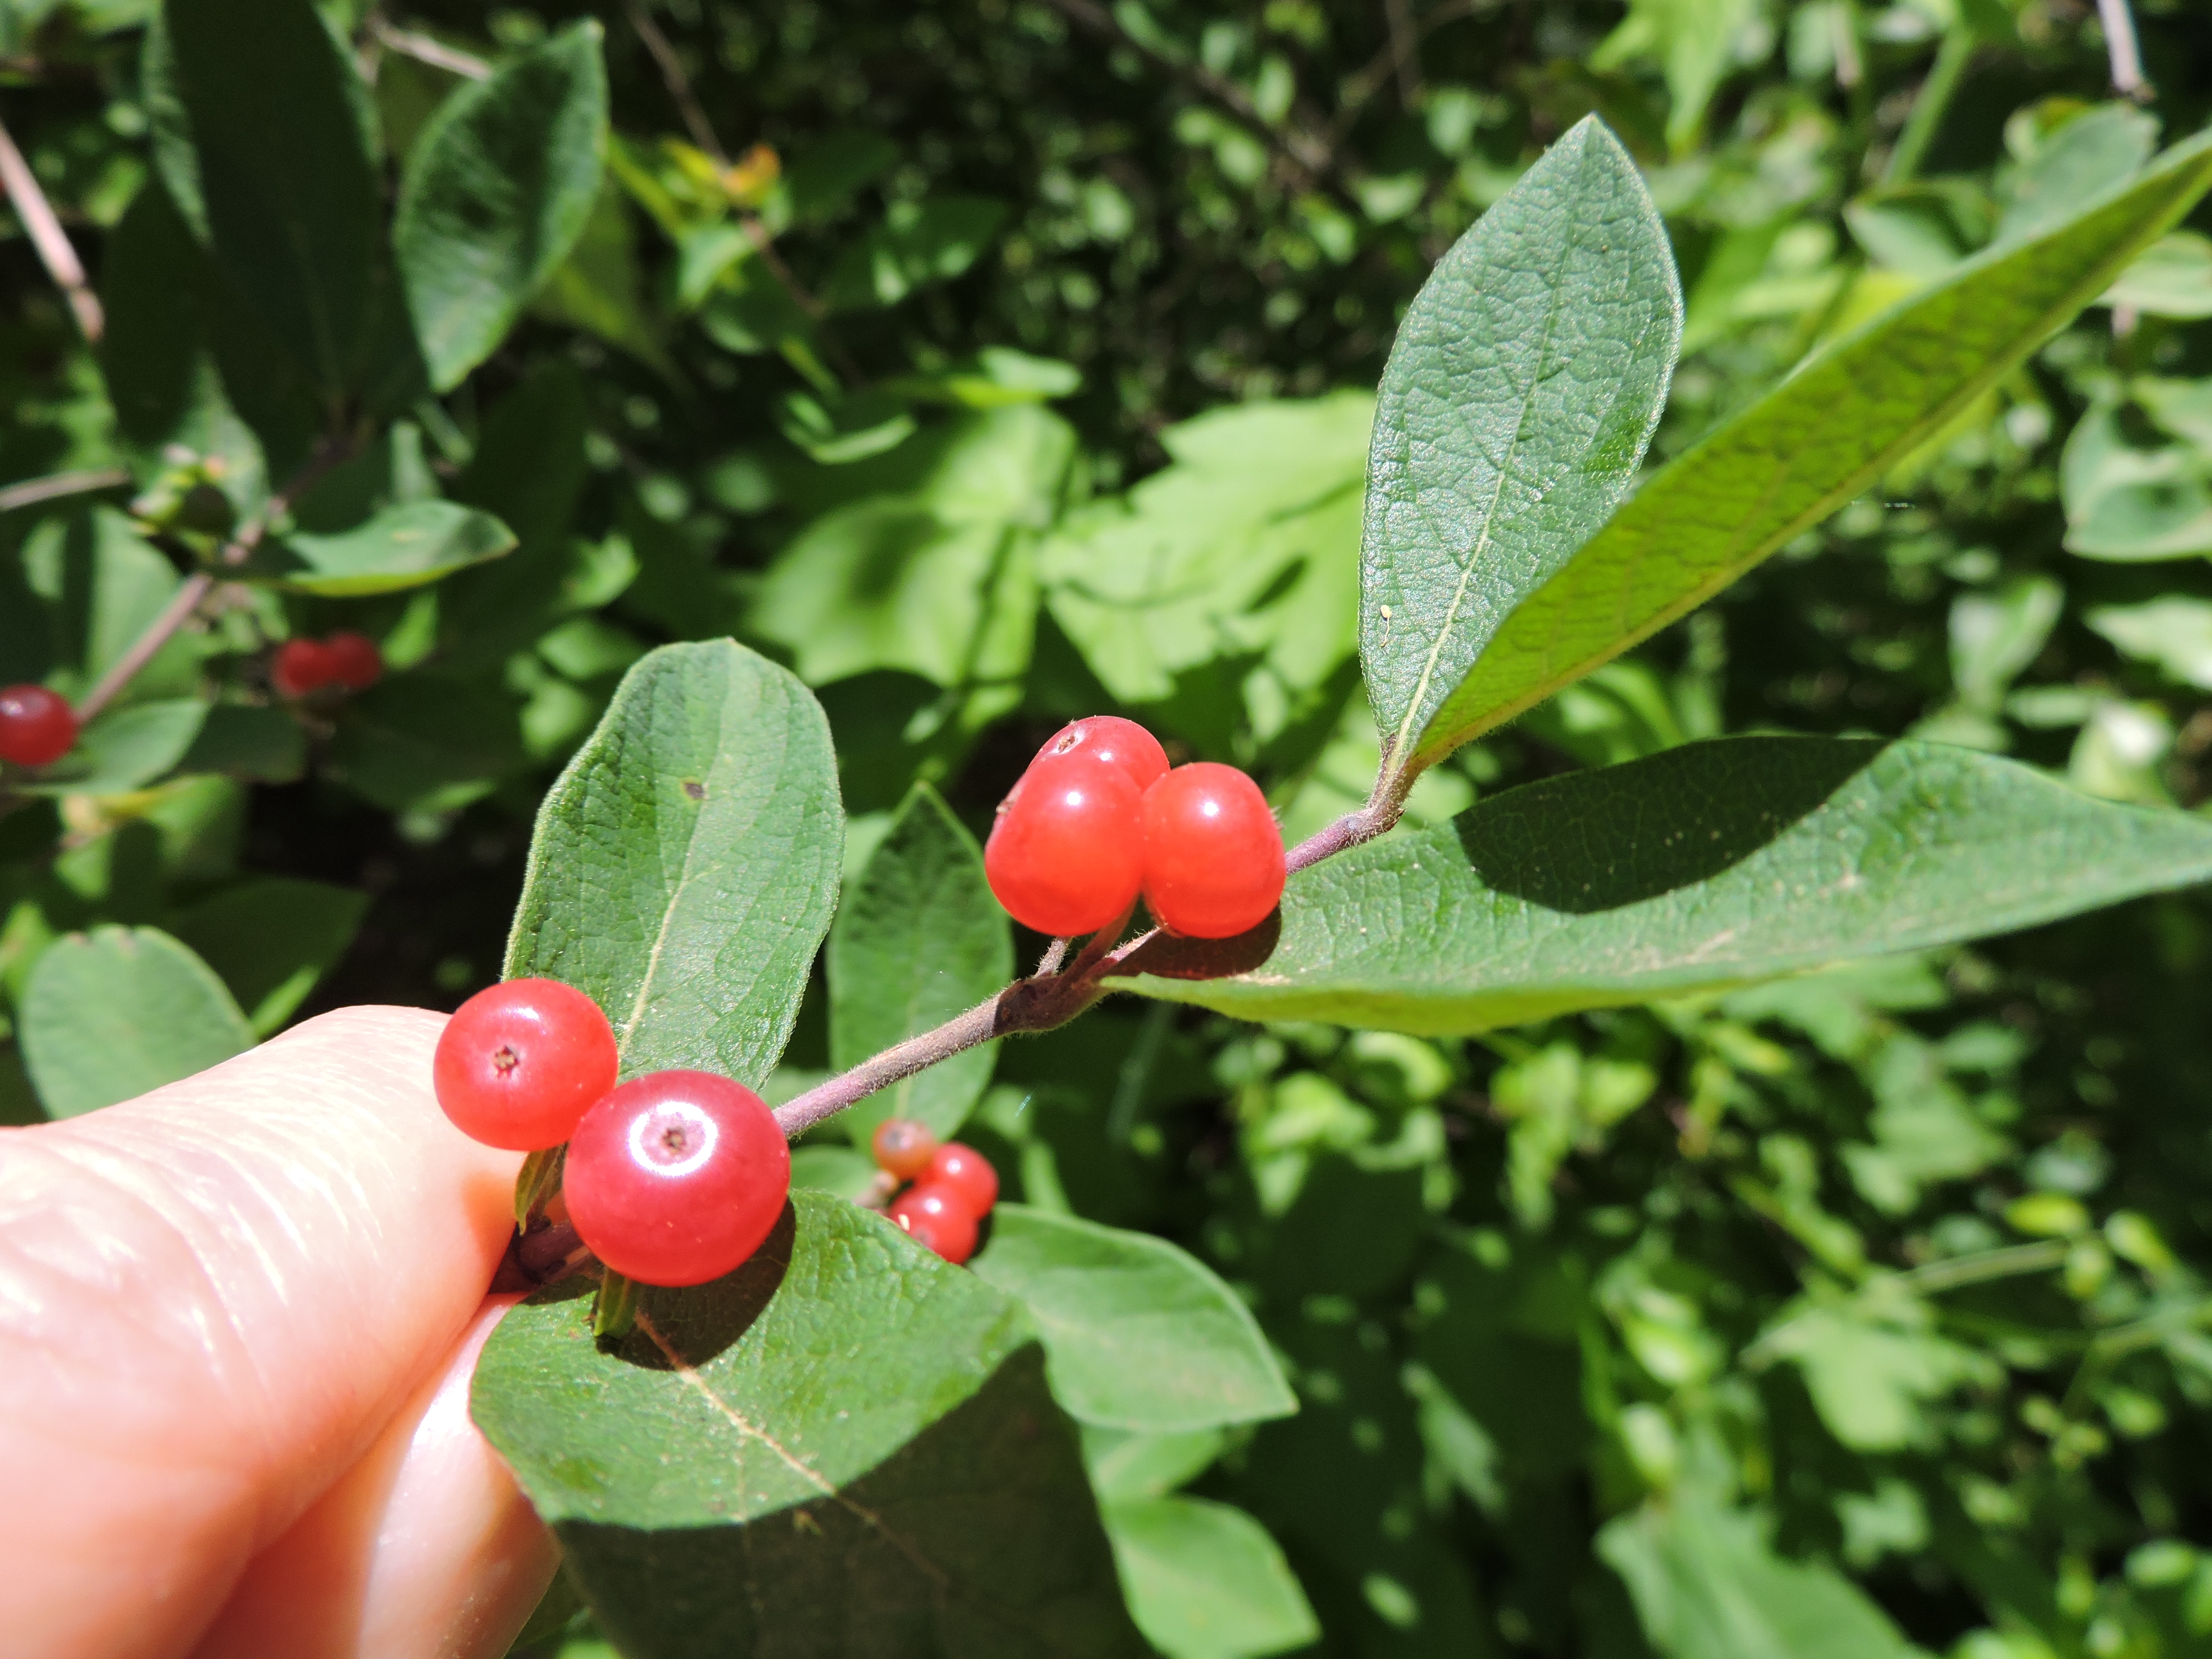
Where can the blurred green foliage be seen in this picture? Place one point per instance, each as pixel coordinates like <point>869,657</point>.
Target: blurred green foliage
<point>1025,372</point>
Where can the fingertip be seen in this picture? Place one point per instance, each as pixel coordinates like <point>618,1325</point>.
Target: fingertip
<point>426,1549</point>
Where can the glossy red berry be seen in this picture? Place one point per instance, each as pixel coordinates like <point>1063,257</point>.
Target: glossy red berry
<point>353,660</point>
<point>37,727</point>
<point>1113,741</point>
<point>965,1173</point>
<point>1063,856</point>
<point>519,1064</point>
<point>301,667</point>
<point>676,1177</point>
<point>903,1147</point>
<point>1213,856</point>
<point>937,1220</point>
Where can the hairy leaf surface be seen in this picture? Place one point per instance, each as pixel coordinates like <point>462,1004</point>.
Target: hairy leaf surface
<point>1711,864</point>
<point>846,1437</point>
<point>1513,414</point>
<point>1809,446</point>
<point>685,865</point>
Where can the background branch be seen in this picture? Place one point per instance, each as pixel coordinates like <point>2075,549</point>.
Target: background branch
<point>46,235</point>
<point>1308,154</point>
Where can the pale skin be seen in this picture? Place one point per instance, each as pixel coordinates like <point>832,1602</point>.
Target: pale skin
<point>238,1318</point>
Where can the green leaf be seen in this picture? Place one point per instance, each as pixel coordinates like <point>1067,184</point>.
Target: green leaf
<point>1245,546</point>
<point>1816,440</point>
<point>154,353</point>
<point>401,547</point>
<point>920,940</point>
<point>1205,1581</point>
<point>426,742</point>
<point>919,244</point>
<point>1713,865</point>
<point>1514,412</point>
<point>108,1015</point>
<point>1707,1586</point>
<point>250,741</point>
<point>2175,634</point>
<point>2172,278</point>
<point>122,749</point>
<point>283,168</point>
<point>272,939</point>
<point>1138,1334</point>
<point>685,865</point>
<point>2096,152</point>
<point>497,191</point>
<point>844,1423</point>
<point>933,575</point>
<point>1872,1379</point>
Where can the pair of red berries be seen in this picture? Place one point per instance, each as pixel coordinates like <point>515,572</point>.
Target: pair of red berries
<point>1099,818</point>
<point>37,727</point>
<point>954,1187</point>
<point>303,666</point>
<point>672,1178</point>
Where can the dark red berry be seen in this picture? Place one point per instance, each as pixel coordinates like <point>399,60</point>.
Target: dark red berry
<point>937,1220</point>
<point>1063,856</point>
<point>1115,741</point>
<point>1213,856</point>
<point>354,660</point>
<point>301,667</point>
<point>676,1177</point>
<point>521,1062</point>
<point>903,1147</point>
<point>37,727</point>
<point>967,1174</point>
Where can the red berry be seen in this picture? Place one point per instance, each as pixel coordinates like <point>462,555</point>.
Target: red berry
<point>1115,741</point>
<point>937,1220</point>
<point>36,727</point>
<point>300,666</point>
<point>1213,856</point>
<point>1063,857</point>
<point>967,1174</point>
<point>676,1177</point>
<point>903,1147</point>
<point>353,660</point>
<point>521,1062</point>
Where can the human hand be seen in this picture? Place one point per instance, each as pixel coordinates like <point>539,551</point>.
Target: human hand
<point>238,1318</point>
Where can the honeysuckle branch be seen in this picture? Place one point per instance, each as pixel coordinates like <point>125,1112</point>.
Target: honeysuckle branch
<point>156,635</point>
<point>197,586</point>
<point>1051,997</point>
<point>2121,49</point>
<point>52,243</point>
<point>61,485</point>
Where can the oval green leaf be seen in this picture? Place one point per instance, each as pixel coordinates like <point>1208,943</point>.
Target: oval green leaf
<point>1138,1334</point>
<point>685,865</point>
<point>920,940</point>
<point>844,1422</point>
<point>1809,446</point>
<point>108,1015</point>
<point>498,189</point>
<point>277,172</point>
<point>1513,414</point>
<point>1713,865</point>
<point>401,547</point>
<point>1206,1582</point>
